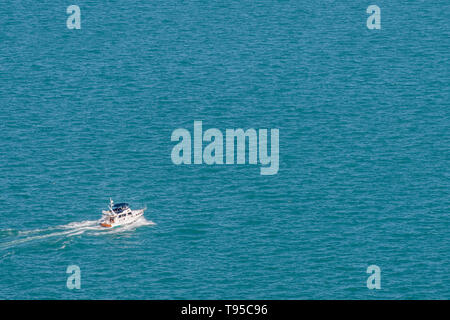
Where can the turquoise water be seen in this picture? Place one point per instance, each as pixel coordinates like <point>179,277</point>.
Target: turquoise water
<point>364,124</point>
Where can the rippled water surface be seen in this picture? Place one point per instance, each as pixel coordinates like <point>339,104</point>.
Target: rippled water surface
<point>364,149</point>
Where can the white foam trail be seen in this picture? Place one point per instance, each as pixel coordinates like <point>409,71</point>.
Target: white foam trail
<point>72,225</point>
<point>33,238</point>
<point>6,255</point>
<point>76,225</point>
<point>72,229</point>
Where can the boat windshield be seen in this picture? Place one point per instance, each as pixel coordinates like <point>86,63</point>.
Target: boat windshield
<point>119,207</point>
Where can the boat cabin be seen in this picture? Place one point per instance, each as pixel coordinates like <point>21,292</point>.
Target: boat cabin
<point>120,207</point>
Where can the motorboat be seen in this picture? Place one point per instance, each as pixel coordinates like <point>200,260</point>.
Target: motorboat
<point>119,214</point>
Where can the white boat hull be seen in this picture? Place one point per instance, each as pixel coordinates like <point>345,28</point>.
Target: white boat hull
<point>131,216</point>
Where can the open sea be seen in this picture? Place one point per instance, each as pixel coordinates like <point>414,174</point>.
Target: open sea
<point>364,146</point>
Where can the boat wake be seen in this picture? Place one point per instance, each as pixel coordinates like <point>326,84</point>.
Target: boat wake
<point>11,238</point>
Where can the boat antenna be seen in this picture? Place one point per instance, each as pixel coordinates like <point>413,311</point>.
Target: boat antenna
<point>111,204</point>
